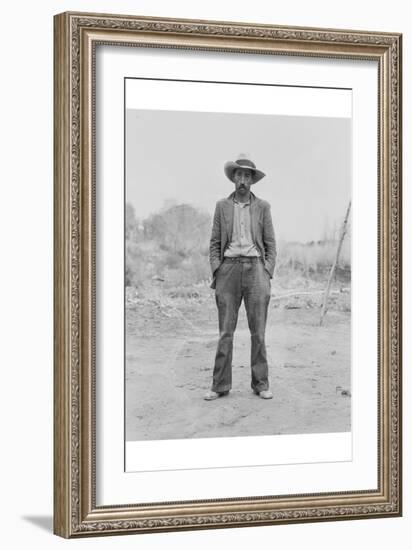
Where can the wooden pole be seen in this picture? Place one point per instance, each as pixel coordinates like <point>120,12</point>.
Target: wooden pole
<point>335,263</point>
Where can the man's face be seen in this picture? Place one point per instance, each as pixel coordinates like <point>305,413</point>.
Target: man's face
<point>243,180</point>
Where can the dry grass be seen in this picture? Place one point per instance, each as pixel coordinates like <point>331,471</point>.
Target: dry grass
<point>313,259</point>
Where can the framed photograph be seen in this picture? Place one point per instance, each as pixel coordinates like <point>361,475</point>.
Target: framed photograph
<point>227,274</point>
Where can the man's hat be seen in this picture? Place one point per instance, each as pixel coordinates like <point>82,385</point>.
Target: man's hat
<point>243,162</point>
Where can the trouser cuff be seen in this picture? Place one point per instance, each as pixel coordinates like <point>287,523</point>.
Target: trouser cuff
<point>219,389</point>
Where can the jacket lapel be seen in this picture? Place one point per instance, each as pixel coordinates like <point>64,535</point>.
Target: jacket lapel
<point>228,212</point>
<point>254,214</point>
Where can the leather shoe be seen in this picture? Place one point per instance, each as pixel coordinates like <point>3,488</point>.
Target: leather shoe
<point>214,395</point>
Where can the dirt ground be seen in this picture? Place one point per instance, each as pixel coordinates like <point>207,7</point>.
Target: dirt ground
<point>170,348</point>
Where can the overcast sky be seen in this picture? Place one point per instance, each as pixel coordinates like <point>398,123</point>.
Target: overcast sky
<point>178,157</point>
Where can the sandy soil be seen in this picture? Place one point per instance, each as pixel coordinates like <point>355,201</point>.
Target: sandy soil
<point>169,362</point>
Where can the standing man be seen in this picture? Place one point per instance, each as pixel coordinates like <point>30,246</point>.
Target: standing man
<point>242,258</point>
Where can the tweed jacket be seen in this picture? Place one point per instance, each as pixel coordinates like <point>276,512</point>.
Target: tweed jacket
<point>261,227</point>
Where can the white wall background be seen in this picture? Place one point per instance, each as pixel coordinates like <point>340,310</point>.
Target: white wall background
<point>26,272</point>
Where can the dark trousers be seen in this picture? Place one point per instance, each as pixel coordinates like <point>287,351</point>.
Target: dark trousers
<point>236,279</point>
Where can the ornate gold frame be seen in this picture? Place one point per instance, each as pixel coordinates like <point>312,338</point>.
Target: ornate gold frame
<point>75,37</point>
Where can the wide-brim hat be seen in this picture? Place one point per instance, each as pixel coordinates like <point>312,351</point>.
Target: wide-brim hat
<point>230,168</point>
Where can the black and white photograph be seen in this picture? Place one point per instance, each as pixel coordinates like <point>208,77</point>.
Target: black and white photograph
<point>237,273</point>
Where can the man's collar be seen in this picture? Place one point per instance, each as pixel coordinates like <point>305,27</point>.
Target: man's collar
<point>252,197</point>
<point>242,203</point>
